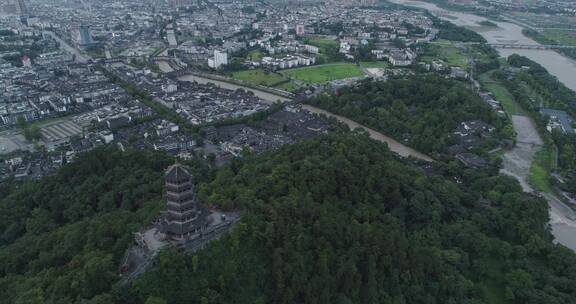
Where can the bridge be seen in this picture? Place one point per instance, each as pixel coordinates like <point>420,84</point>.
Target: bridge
<point>530,46</point>
<point>520,46</point>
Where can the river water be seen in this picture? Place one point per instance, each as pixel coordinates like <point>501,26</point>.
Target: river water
<point>393,144</point>
<point>509,33</point>
<point>517,162</point>
<point>165,67</point>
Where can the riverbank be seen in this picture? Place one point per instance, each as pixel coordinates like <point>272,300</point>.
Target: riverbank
<point>393,145</point>
<point>509,33</point>
<point>518,161</point>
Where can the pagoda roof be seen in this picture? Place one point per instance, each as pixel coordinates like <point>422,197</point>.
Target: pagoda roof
<point>177,173</point>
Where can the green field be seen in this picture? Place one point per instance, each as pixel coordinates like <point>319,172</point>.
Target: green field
<point>544,20</point>
<point>561,37</point>
<point>447,52</point>
<point>260,77</point>
<point>375,64</point>
<point>323,43</point>
<point>541,167</point>
<point>502,95</point>
<point>288,86</point>
<point>325,72</point>
<point>255,55</point>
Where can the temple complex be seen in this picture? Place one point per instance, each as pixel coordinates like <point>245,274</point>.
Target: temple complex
<point>186,224</point>
<point>184,216</point>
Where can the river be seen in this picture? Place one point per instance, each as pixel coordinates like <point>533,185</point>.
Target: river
<point>393,145</point>
<point>165,67</point>
<point>517,161</point>
<point>509,33</point>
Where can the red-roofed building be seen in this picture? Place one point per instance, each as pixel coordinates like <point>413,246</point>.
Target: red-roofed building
<point>26,62</point>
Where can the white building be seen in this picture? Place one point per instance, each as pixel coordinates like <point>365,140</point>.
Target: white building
<point>220,59</point>
<point>169,87</point>
<point>311,49</point>
<point>171,36</point>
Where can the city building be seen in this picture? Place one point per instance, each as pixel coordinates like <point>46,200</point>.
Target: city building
<point>85,37</point>
<point>220,59</point>
<point>171,36</point>
<point>300,29</point>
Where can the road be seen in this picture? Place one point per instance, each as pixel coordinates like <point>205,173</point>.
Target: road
<point>81,58</point>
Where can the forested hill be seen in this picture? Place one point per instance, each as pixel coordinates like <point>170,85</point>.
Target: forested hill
<point>422,111</point>
<point>338,219</point>
<point>63,236</point>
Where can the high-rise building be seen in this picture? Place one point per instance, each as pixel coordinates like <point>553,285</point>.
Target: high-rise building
<point>184,216</point>
<point>179,3</point>
<point>300,29</point>
<point>14,7</point>
<point>85,38</point>
<point>220,59</point>
<point>171,36</point>
<point>22,8</point>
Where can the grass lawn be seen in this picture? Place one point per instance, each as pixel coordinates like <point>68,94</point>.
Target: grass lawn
<point>375,64</point>
<point>259,77</point>
<point>325,72</point>
<point>288,86</point>
<point>541,167</point>
<point>562,37</point>
<point>501,94</point>
<point>255,55</point>
<point>323,43</point>
<point>448,53</point>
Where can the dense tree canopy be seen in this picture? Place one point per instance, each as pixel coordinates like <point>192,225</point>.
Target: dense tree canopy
<point>450,31</point>
<point>547,85</point>
<point>63,236</point>
<point>421,111</point>
<point>337,219</point>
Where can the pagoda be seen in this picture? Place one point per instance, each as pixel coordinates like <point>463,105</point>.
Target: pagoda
<point>184,217</point>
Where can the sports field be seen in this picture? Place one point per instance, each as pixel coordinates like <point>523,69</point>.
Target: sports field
<point>325,72</point>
